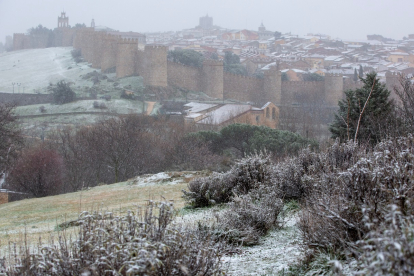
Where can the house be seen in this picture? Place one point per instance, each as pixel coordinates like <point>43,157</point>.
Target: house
<point>225,114</point>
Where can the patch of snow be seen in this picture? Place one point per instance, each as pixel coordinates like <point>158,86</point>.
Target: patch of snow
<point>277,251</point>
<point>36,68</point>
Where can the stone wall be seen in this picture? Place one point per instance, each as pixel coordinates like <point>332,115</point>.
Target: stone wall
<point>293,92</point>
<point>25,99</point>
<point>4,197</point>
<point>183,76</point>
<point>242,88</point>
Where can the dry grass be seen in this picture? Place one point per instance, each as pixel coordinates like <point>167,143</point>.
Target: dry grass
<point>39,216</point>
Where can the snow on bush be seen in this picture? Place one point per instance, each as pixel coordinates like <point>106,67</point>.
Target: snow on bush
<point>247,174</point>
<point>146,243</point>
<point>332,212</point>
<point>249,217</point>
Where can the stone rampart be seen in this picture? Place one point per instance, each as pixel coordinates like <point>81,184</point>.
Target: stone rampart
<point>183,76</point>
<point>242,88</point>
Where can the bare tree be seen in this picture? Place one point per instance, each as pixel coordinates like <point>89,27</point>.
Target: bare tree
<point>10,138</point>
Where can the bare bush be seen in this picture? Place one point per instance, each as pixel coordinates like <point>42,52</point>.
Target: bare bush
<point>146,243</point>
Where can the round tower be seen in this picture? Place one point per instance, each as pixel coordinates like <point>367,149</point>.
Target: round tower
<point>154,65</point>
<point>272,86</point>
<point>392,80</point>
<point>334,89</point>
<point>126,57</point>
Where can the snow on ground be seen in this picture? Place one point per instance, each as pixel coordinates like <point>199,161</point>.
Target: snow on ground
<point>276,251</point>
<point>164,178</point>
<point>36,68</point>
<point>121,106</point>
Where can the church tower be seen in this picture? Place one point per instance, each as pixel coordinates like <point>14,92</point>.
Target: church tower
<point>93,23</point>
<point>63,20</point>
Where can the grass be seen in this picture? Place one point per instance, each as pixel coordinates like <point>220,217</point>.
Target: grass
<point>39,216</point>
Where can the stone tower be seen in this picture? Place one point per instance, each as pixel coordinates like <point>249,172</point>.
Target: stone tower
<point>212,81</point>
<point>126,57</point>
<point>93,23</point>
<point>109,51</point>
<point>334,89</point>
<point>272,86</point>
<point>154,65</point>
<point>392,80</point>
<point>63,20</point>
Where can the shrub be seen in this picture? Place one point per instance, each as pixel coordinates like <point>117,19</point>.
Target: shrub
<point>38,172</point>
<point>249,217</point>
<point>62,93</point>
<point>247,174</point>
<point>136,244</point>
<point>334,209</point>
<point>77,55</point>
<point>389,250</point>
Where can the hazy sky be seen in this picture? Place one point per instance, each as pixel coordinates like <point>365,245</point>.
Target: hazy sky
<point>339,18</point>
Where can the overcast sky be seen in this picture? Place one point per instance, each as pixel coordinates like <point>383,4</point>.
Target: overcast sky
<point>343,19</point>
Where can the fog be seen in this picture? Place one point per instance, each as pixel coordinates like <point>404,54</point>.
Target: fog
<point>342,19</point>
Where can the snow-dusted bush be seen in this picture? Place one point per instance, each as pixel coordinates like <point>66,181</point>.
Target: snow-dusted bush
<point>332,212</point>
<point>249,217</point>
<point>247,174</point>
<point>135,244</point>
<point>295,176</point>
<point>389,250</point>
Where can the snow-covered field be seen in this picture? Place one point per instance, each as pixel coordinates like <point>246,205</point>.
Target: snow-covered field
<point>36,68</point>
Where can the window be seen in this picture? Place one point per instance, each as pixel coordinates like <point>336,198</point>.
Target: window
<point>267,113</point>
<point>273,113</point>
<point>400,60</point>
<point>257,119</point>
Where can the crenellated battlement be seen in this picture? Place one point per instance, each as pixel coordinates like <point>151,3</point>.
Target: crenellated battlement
<point>212,62</point>
<point>240,76</point>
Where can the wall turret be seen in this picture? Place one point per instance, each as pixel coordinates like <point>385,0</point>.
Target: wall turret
<point>272,86</point>
<point>392,80</point>
<point>334,89</point>
<point>212,81</point>
<point>126,57</point>
<point>153,65</point>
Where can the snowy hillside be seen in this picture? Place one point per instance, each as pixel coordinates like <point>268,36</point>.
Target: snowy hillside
<point>36,68</point>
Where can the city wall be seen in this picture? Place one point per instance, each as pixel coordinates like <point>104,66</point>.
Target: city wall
<point>183,76</point>
<point>242,88</point>
<point>295,91</point>
<point>126,57</point>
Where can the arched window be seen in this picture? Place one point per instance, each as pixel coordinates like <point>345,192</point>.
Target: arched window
<point>258,119</point>
<point>267,112</point>
<point>274,113</point>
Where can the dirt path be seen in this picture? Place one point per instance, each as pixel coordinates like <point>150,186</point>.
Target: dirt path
<point>150,107</point>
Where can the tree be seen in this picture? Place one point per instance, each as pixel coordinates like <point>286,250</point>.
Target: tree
<point>277,35</point>
<point>232,64</point>
<point>11,139</point>
<point>312,77</point>
<point>355,78</point>
<point>373,121</point>
<point>38,171</point>
<point>361,72</point>
<point>62,93</point>
<point>186,57</point>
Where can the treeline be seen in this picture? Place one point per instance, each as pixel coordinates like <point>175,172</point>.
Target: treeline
<point>117,149</point>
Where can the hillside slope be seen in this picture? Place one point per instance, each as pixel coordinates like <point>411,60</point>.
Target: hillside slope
<point>39,216</point>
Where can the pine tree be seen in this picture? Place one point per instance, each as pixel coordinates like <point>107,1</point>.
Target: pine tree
<point>375,117</point>
<point>361,71</point>
<point>355,75</point>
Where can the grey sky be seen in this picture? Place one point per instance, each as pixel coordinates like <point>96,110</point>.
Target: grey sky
<point>338,18</point>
